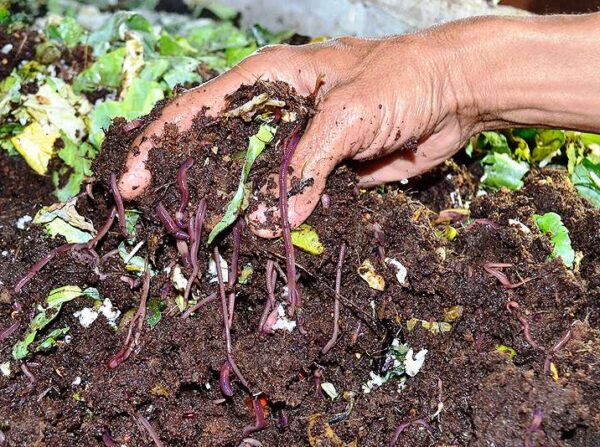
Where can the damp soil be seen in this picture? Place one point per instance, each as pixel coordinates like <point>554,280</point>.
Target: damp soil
<point>466,392</point>
<point>15,47</point>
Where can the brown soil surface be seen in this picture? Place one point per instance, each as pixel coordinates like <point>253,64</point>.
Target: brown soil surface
<point>14,48</point>
<point>482,397</point>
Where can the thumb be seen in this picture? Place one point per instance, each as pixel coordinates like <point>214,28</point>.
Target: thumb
<point>320,150</point>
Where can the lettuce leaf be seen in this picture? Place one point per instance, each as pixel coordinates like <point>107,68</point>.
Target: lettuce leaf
<point>551,223</point>
<point>138,101</point>
<point>105,72</point>
<point>586,179</point>
<point>65,30</point>
<point>500,170</point>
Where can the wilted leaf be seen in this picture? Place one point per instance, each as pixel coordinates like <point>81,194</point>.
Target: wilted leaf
<point>367,272</point>
<point>63,219</point>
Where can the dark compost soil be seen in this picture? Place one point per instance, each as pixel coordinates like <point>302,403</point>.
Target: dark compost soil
<point>466,394</point>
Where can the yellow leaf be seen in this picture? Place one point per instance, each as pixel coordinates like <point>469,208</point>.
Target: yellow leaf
<point>307,239</point>
<point>453,313</point>
<point>320,433</point>
<point>503,349</point>
<point>373,279</point>
<point>36,146</point>
<point>554,371</point>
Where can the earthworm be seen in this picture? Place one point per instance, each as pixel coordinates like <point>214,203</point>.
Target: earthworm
<point>336,306</point>
<point>119,204</point>
<point>260,419</point>
<point>184,192</point>
<point>404,425</point>
<point>225,379</point>
<point>149,429</point>
<point>492,269</point>
<point>169,224</point>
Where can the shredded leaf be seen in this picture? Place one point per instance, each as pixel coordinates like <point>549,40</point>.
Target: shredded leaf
<point>367,272</point>
<point>330,390</point>
<point>45,316</point>
<point>256,145</point>
<point>306,238</point>
<point>551,223</point>
<point>63,219</point>
<point>154,311</point>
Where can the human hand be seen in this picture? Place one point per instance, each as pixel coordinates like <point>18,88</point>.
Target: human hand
<point>398,98</point>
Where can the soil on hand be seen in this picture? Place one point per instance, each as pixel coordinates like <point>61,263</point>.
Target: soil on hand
<point>504,366</point>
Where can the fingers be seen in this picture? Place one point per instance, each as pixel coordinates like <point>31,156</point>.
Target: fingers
<point>406,164</point>
<point>323,146</point>
<point>182,111</point>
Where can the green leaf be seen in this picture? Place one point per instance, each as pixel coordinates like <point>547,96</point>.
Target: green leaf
<point>551,223</point>
<point>155,308</point>
<point>547,145</point>
<point>507,350</point>
<point>115,28</point>
<point>256,145</point>
<point>140,98</point>
<point>493,141</point>
<point>131,219</point>
<point>168,45</point>
<point>78,157</point>
<point>522,151</point>
<point>265,37</point>
<point>217,36</point>
<point>223,12</point>
<point>54,302</point>
<point>586,178</point>
<point>234,55</point>
<point>525,133</point>
<point>589,138</point>
<point>500,170</point>
<point>105,72</point>
<point>50,340</point>
<point>154,69</point>
<point>63,219</point>
<point>66,31</point>
<point>20,349</point>
<point>306,238</point>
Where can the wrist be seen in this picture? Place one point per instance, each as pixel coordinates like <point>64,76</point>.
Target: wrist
<point>529,72</point>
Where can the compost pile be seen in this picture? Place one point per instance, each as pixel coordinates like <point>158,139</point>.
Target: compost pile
<point>460,309</point>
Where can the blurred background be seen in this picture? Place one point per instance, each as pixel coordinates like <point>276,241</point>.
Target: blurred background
<point>376,17</point>
<point>554,6</point>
